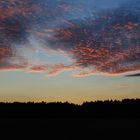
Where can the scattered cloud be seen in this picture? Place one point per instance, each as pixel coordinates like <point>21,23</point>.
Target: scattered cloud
<point>103,40</point>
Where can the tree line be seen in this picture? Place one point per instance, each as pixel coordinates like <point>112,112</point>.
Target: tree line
<point>99,109</point>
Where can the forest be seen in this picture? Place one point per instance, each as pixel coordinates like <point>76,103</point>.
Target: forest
<point>98,109</point>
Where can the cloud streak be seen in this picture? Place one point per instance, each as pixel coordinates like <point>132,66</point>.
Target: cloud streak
<point>96,37</point>
<point>133,75</point>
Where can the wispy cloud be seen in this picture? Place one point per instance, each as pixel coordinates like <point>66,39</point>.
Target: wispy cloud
<point>96,38</point>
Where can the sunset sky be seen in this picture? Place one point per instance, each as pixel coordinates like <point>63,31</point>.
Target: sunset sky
<point>69,50</point>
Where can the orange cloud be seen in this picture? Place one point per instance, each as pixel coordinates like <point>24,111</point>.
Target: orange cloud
<point>39,68</point>
<point>58,68</point>
<point>104,41</point>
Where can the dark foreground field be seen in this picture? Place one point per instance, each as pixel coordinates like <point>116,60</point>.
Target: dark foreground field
<point>94,119</point>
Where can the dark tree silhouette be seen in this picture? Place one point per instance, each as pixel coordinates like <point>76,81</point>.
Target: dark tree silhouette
<point>99,109</point>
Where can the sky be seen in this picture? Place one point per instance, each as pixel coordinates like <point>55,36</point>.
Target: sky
<point>76,51</point>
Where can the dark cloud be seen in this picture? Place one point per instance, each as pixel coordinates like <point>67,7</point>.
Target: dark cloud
<point>108,43</point>
<point>133,75</point>
<point>99,37</point>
